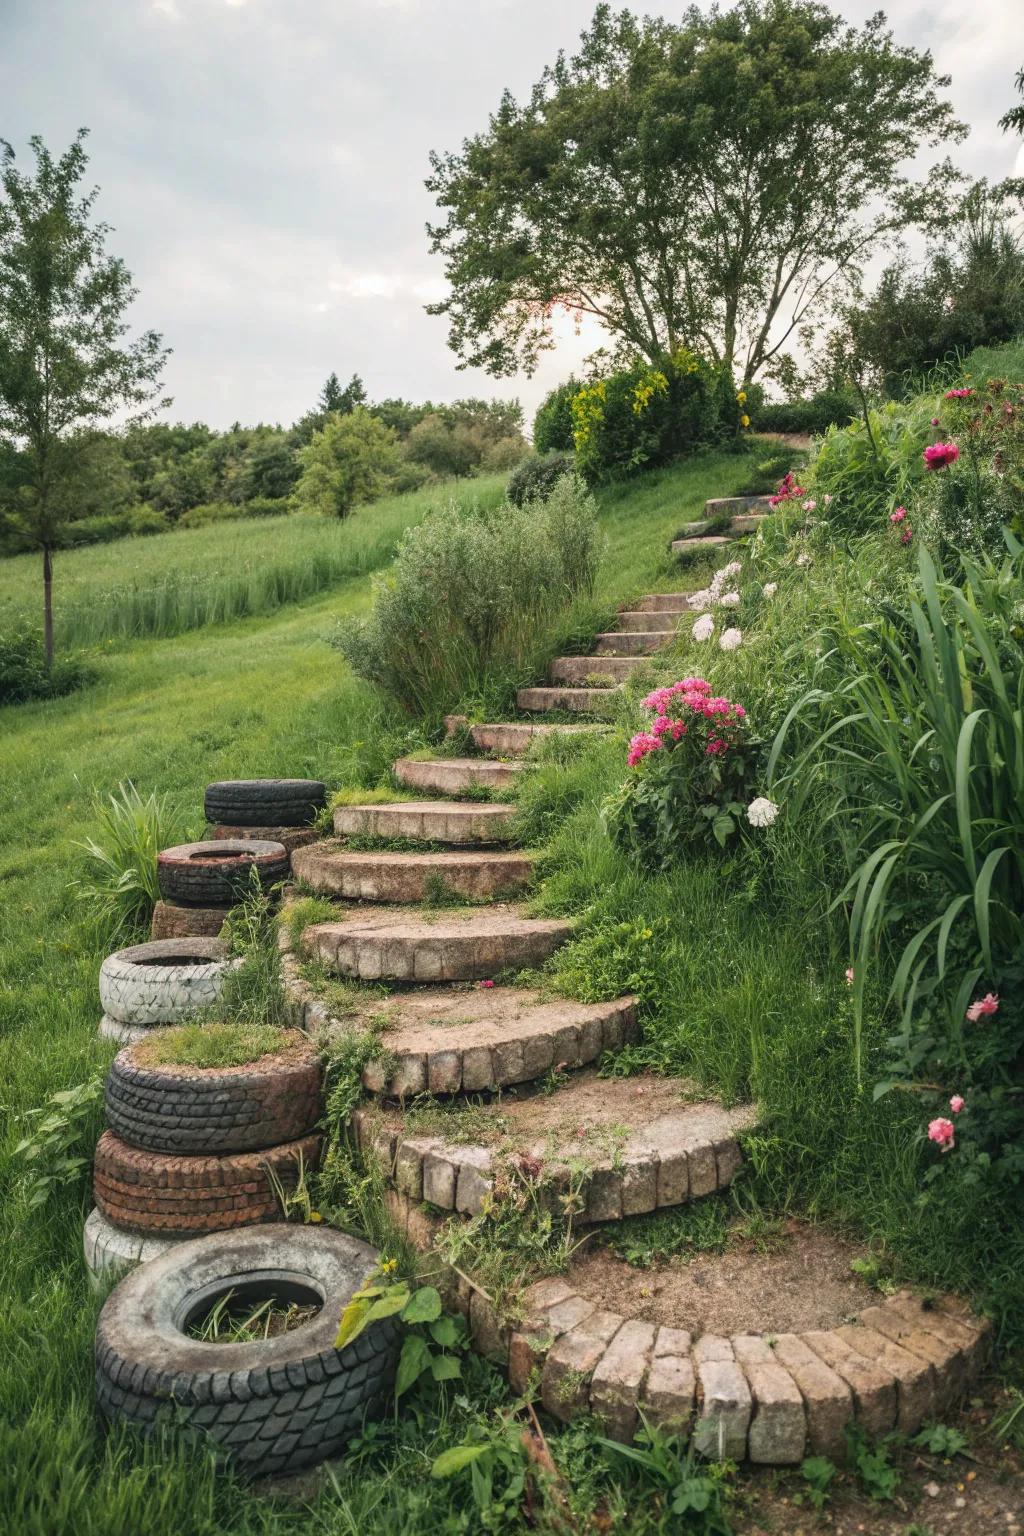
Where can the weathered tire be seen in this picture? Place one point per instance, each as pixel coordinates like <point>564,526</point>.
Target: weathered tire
<point>195,1110</point>
<point>275,1406</point>
<point>173,922</point>
<point>162,981</point>
<point>111,1252</point>
<point>124,1034</point>
<point>218,873</point>
<point>265,802</point>
<point>160,1193</point>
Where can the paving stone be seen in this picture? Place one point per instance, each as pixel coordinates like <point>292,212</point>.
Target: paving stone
<point>946,1359</point>
<point>664,623</point>
<point>570,1363</point>
<point>428,821</point>
<point>733,506</point>
<point>330,869</point>
<point>639,1180</point>
<point>490,1334</point>
<point>708,541</point>
<point>673,1179</point>
<point>393,944</point>
<point>971,1343</point>
<point>617,1379</point>
<point>724,1401</point>
<point>515,738</point>
<point>778,1429</point>
<point>440,1176</point>
<point>827,1400</point>
<point>444,1072</point>
<point>474,1185</point>
<point>873,1387</point>
<point>668,1394</point>
<point>661,602</point>
<point>604,1195</point>
<point>915,1381</point>
<point>631,642</point>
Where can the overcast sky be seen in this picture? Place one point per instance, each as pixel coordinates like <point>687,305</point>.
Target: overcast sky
<point>262,162</point>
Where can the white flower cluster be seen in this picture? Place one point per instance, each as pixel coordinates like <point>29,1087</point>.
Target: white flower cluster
<point>770,588</point>
<point>762,812</point>
<point>721,579</point>
<point>730,640</point>
<point>703,628</point>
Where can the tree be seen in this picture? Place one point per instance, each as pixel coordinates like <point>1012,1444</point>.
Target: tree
<point>1013,121</point>
<point>708,183</point>
<point>344,401</point>
<point>445,449</point>
<point>350,460</point>
<point>65,363</point>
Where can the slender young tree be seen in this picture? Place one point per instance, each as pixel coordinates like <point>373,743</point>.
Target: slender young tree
<point>66,363</point>
<point>711,182</point>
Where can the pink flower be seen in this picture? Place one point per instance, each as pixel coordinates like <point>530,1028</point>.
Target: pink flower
<point>957,394</point>
<point>956,1103</point>
<point>898,516</point>
<point>849,975</point>
<point>641,744</point>
<point>487,983</point>
<point>983,1007</point>
<point>935,421</point>
<point>941,455</point>
<point>906,535</point>
<point>942,1132</point>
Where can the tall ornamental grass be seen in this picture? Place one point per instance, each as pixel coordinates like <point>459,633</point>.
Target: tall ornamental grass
<point>473,599</point>
<point>917,754</point>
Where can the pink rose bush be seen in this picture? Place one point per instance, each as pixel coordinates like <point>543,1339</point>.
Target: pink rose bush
<point>788,490</point>
<point>941,455</point>
<point>943,1133</point>
<point>691,766</point>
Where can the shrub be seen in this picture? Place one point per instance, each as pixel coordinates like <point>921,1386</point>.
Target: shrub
<point>691,770</point>
<point>535,479</point>
<point>552,425</point>
<point>267,506</point>
<point>966,504</point>
<point>352,460</point>
<point>119,884</point>
<point>211,512</point>
<point>24,674</point>
<point>643,416</point>
<point>814,414</point>
<point>873,464</point>
<point>466,608</point>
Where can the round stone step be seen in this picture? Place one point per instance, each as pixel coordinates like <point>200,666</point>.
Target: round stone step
<point>709,541</point>
<point>330,869</point>
<point>427,821</point>
<point>665,622</point>
<point>399,944</point>
<point>515,738</point>
<point>454,775</point>
<point>578,700</point>
<point>631,642</point>
<point>594,671</point>
<point>737,506</point>
<point>605,1148</point>
<point>663,602</point>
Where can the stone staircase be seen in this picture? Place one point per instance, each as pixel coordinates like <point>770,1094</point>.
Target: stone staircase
<point>485,1085</point>
<point>725,518</point>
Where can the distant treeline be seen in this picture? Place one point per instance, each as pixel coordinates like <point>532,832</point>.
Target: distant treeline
<point>345,451</point>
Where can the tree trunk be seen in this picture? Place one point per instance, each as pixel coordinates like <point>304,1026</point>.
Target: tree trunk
<point>48,606</point>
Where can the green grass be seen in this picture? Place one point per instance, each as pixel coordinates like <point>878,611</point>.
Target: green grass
<point>169,583</point>
<point>216,1044</point>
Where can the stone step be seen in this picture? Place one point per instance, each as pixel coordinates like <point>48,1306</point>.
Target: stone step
<point>631,642</point>
<point>662,602</point>
<point>458,1039</point>
<point>711,541</point>
<point>606,1341</point>
<point>605,1148</point>
<point>406,944</point>
<point>593,672</point>
<point>647,623</point>
<point>737,506</point>
<point>427,821</point>
<point>581,700</point>
<point>741,523</point>
<point>329,869</point>
<point>454,775</point>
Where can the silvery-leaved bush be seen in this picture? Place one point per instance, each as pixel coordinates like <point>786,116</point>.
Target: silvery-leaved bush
<point>731,640</point>
<point>770,588</point>
<point>704,628</point>
<point>762,812</point>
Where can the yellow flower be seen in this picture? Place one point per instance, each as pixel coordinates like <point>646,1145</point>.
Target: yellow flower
<point>315,1216</point>
<point>744,421</point>
<point>742,397</point>
<point>389,1266</point>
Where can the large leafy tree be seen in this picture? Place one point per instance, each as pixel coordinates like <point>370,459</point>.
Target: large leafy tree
<point>709,182</point>
<point>65,361</point>
<point>350,460</point>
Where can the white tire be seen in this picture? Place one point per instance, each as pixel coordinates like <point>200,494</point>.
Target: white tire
<point>111,1252</point>
<point>161,982</point>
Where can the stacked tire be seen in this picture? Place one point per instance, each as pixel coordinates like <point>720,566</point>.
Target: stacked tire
<point>191,1151</point>
<point>159,983</point>
<point>256,824</point>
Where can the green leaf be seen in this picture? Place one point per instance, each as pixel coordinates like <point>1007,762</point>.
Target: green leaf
<point>388,1305</point>
<point>424,1306</point>
<point>445,1367</point>
<point>444,1332</point>
<point>353,1321</point>
<point>412,1362</point>
<point>456,1458</point>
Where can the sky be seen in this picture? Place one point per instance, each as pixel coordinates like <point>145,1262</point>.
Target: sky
<point>262,163</point>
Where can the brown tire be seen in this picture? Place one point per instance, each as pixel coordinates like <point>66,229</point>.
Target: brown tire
<point>186,1196</point>
<point>218,873</point>
<point>201,1110</point>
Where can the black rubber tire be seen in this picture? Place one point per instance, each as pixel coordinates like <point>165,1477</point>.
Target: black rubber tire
<point>190,1110</point>
<point>217,873</point>
<point>275,1406</point>
<point>265,802</point>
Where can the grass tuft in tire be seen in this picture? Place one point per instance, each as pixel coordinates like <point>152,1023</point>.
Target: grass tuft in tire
<point>274,1405</point>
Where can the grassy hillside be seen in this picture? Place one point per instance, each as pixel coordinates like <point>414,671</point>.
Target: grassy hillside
<point>172,582</point>
<point>260,696</point>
